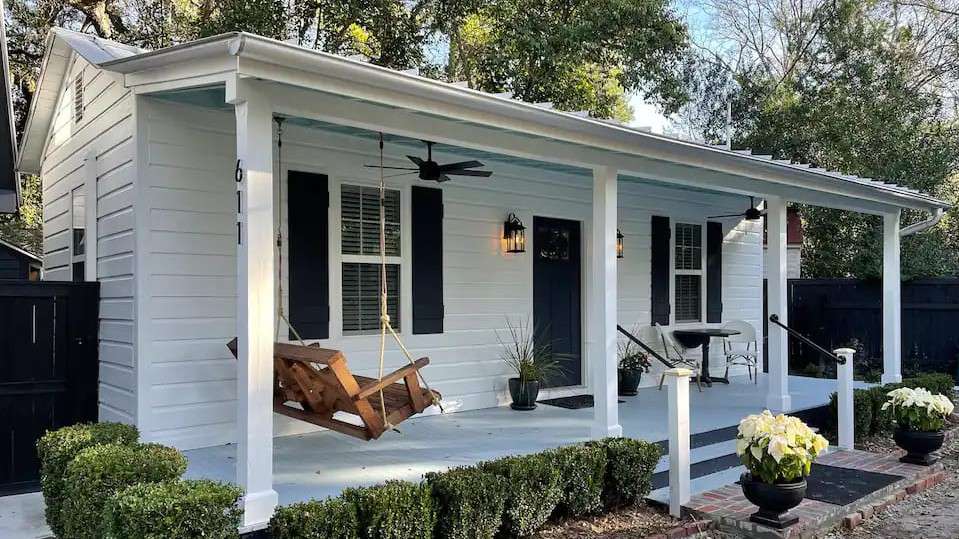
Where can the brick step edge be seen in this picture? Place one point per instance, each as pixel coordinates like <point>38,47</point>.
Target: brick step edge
<point>695,528</point>
<point>853,520</point>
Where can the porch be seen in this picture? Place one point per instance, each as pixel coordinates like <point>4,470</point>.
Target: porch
<point>321,464</point>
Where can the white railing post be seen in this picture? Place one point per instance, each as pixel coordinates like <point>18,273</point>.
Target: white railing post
<point>844,396</point>
<point>677,380</point>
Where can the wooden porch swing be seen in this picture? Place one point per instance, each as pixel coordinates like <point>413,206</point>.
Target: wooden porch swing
<point>313,384</point>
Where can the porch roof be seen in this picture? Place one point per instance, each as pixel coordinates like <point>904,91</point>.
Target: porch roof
<point>219,61</point>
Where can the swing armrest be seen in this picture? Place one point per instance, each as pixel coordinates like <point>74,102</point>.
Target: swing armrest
<point>386,381</point>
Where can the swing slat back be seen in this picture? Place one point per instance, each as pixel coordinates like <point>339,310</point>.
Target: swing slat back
<point>312,384</point>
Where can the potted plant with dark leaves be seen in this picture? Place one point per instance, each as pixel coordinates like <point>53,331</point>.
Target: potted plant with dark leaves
<point>532,364</point>
<point>633,362</point>
<point>920,418</point>
<point>778,452</point>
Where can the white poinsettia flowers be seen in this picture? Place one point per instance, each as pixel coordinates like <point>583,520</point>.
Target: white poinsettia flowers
<point>777,448</point>
<point>918,409</point>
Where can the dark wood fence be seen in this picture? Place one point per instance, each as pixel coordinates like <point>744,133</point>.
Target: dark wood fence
<point>836,312</point>
<point>48,369</point>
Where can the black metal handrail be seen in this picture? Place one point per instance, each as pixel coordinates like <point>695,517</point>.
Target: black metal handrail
<point>642,345</point>
<point>774,318</point>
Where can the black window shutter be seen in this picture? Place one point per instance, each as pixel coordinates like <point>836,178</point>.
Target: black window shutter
<point>426,212</point>
<point>309,254</point>
<point>714,272</point>
<point>659,269</point>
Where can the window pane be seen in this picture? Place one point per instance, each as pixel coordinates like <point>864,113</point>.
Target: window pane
<point>79,272</point>
<point>688,298</point>
<point>78,218</point>
<point>689,246</point>
<point>360,211</point>
<point>361,296</point>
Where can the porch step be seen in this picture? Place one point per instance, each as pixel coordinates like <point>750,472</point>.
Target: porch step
<point>711,481</point>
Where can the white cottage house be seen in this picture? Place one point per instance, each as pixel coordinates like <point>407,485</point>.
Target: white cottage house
<point>170,160</point>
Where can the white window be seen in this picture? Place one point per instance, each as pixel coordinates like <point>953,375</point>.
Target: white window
<point>78,98</point>
<point>78,247</point>
<point>688,268</point>
<point>360,248</point>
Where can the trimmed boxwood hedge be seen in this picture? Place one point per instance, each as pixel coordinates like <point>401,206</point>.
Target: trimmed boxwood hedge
<point>582,471</point>
<point>533,490</point>
<point>469,502</point>
<point>181,509</point>
<point>57,448</point>
<point>332,518</point>
<point>629,469</point>
<point>394,510</point>
<point>98,472</point>
<point>863,405</point>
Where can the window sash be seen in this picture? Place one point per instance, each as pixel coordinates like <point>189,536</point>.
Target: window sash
<point>361,296</point>
<point>689,297</point>
<point>360,221</point>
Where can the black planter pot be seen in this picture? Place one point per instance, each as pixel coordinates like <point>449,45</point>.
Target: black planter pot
<point>629,382</point>
<point>524,394</point>
<point>774,501</point>
<point>919,446</point>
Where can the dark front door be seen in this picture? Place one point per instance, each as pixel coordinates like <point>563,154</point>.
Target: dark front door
<point>556,295</point>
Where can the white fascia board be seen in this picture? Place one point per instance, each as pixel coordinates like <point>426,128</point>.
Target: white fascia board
<point>322,71</point>
<point>41,106</point>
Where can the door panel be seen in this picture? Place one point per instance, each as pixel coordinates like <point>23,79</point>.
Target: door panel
<point>557,316</point>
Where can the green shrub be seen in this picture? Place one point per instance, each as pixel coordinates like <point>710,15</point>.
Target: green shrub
<point>469,503</point>
<point>174,510</point>
<point>935,382</point>
<point>862,407</point>
<point>394,510</point>
<point>58,447</point>
<point>629,469</point>
<point>882,420</point>
<point>582,471</point>
<point>532,491</point>
<point>100,471</point>
<point>332,518</point>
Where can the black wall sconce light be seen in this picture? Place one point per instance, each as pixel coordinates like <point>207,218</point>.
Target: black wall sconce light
<point>514,234</point>
<point>619,244</point>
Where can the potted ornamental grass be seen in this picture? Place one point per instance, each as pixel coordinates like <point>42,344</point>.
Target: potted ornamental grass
<point>778,452</point>
<point>633,362</point>
<point>920,418</point>
<point>531,362</point>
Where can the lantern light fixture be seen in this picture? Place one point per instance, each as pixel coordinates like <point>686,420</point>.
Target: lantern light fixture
<point>514,234</point>
<point>619,244</point>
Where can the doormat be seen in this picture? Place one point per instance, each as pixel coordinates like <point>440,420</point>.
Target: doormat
<point>572,403</point>
<point>842,486</point>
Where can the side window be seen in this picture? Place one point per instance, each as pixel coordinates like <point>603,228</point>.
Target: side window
<point>688,265</point>
<point>78,237</point>
<point>360,247</point>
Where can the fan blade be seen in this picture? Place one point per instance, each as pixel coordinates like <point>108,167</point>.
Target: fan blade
<point>400,174</point>
<point>443,178</point>
<point>725,216</point>
<point>416,160</point>
<point>460,166</point>
<point>482,173</point>
<point>391,168</point>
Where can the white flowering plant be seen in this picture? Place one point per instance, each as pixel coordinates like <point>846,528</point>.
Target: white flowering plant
<point>918,409</point>
<point>777,449</point>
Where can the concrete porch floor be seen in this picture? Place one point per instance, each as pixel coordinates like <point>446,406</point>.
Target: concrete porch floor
<point>322,464</point>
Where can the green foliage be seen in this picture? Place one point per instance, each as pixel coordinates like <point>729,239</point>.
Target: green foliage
<point>629,469</point>
<point>57,448</point>
<point>469,501</point>
<point>394,510</point>
<point>863,407</point>
<point>936,382</point>
<point>529,360</point>
<point>263,17</point>
<point>174,510</point>
<point>98,472</point>
<point>882,420</point>
<point>533,490</point>
<point>582,470</point>
<point>332,518</point>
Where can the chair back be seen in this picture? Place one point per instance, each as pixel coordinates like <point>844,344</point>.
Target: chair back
<point>747,333</point>
<point>651,338</point>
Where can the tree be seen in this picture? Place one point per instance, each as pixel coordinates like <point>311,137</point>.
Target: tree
<point>843,87</point>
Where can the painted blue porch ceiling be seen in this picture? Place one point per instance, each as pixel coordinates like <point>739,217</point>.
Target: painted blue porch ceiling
<point>215,98</point>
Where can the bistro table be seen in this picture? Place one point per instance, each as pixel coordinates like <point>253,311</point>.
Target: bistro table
<point>693,337</point>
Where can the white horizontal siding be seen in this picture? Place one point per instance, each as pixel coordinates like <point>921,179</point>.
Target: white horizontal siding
<point>191,266</point>
<point>106,132</point>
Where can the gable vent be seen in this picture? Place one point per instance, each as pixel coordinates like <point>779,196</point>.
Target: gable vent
<point>78,98</point>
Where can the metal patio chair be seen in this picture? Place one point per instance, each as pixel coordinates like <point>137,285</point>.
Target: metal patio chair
<point>742,349</point>
<point>680,355</point>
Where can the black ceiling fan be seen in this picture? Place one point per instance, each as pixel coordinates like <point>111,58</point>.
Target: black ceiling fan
<point>432,171</point>
<point>751,214</point>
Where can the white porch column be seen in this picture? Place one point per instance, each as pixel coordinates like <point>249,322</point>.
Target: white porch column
<point>255,304</point>
<point>891,301</point>
<point>602,300</point>
<point>777,396</point>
